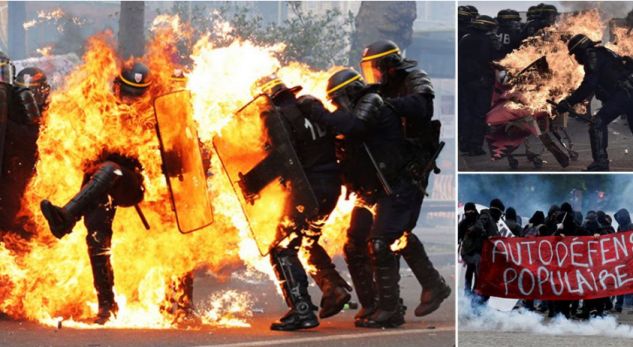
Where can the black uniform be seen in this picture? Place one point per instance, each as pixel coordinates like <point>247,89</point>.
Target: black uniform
<point>315,148</point>
<point>376,128</point>
<point>20,155</point>
<point>411,94</point>
<point>509,34</point>
<point>476,81</point>
<point>610,79</point>
<point>470,217</point>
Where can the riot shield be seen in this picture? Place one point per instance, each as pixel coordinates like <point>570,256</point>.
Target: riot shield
<point>256,151</point>
<point>182,161</point>
<point>5,89</point>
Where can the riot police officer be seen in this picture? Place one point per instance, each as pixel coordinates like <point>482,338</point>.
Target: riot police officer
<point>539,17</point>
<point>19,130</point>
<point>609,77</point>
<point>509,30</point>
<point>110,181</point>
<point>374,156</point>
<point>35,80</point>
<point>410,91</point>
<point>476,52</point>
<point>465,15</point>
<point>315,148</point>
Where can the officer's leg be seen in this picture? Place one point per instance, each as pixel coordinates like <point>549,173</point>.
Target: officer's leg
<point>434,288</point>
<point>599,135</point>
<point>98,223</point>
<point>61,220</point>
<point>335,290</point>
<point>481,106</point>
<point>357,259</point>
<point>294,286</point>
<point>392,216</point>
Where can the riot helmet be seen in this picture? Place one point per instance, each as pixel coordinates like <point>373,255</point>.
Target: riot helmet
<point>466,14</point>
<point>273,87</point>
<point>344,88</point>
<point>508,17</point>
<point>133,81</point>
<point>548,13</point>
<point>7,70</point>
<point>578,45</point>
<point>382,59</point>
<point>484,24</point>
<point>533,13</point>
<point>35,79</point>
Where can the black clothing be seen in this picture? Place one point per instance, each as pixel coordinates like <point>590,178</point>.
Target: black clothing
<point>624,220</point>
<point>509,36</point>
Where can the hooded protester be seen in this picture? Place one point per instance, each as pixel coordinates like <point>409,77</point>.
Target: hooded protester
<point>470,218</point>
<point>533,228</point>
<point>624,224</point>
<point>513,222</point>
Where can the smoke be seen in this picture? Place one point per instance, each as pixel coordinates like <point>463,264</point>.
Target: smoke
<point>608,9</point>
<point>529,193</point>
<point>485,318</point>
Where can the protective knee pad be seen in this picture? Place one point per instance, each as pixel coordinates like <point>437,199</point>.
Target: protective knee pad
<point>379,252</point>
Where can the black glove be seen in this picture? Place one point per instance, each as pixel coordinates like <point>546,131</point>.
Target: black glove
<point>312,108</point>
<point>563,106</point>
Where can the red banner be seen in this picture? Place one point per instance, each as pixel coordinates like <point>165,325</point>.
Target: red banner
<point>557,268</point>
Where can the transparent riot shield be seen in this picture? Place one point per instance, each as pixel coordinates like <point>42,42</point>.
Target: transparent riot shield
<point>256,151</point>
<point>182,161</point>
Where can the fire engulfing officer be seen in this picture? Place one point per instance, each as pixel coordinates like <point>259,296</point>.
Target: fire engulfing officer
<point>465,16</point>
<point>373,157</point>
<point>410,91</point>
<point>476,51</point>
<point>110,181</point>
<point>21,103</point>
<point>609,77</point>
<point>316,151</point>
<point>509,30</point>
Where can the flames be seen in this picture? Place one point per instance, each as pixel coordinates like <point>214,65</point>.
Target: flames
<point>48,280</point>
<point>565,74</point>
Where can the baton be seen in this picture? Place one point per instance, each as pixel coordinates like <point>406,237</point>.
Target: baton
<point>381,177</point>
<point>141,216</point>
<point>572,113</point>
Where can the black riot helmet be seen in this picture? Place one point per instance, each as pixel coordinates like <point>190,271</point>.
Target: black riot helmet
<point>508,17</point>
<point>382,59</point>
<point>548,13</point>
<point>484,23</point>
<point>35,79</point>
<point>578,45</point>
<point>345,87</point>
<point>533,13</point>
<point>133,81</point>
<point>272,86</point>
<point>7,70</point>
<point>466,14</point>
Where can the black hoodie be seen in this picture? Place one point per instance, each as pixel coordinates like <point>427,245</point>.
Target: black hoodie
<point>624,220</point>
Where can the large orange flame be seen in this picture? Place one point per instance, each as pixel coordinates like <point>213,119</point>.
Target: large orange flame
<point>46,280</point>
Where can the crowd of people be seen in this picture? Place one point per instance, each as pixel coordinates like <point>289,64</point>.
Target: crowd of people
<point>484,40</point>
<point>559,220</point>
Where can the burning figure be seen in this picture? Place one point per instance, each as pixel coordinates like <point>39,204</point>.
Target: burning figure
<point>112,180</point>
<point>608,76</point>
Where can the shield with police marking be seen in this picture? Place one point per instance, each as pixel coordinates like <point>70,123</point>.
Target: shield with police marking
<point>182,161</point>
<point>256,151</point>
<point>5,89</point>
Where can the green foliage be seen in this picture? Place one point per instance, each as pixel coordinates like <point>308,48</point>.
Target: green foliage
<point>319,41</point>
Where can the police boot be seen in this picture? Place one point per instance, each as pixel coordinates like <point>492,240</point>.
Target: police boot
<point>560,156</point>
<point>334,288</point>
<point>357,260</point>
<point>598,143</point>
<point>434,288</point>
<point>62,220</point>
<point>294,286</point>
<point>104,282</point>
<point>384,263</point>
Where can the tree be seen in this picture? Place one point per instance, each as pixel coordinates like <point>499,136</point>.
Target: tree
<point>378,20</point>
<point>132,29</point>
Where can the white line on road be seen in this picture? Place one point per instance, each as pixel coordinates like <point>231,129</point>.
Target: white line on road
<point>271,342</point>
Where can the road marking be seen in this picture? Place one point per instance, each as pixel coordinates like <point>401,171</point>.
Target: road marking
<point>332,337</point>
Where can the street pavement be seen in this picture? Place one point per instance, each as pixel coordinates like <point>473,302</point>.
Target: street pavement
<point>620,152</point>
<point>437,329</point>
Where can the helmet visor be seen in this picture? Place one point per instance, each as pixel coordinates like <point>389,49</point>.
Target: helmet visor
<point>370,71</point>
<point>6,72</point>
